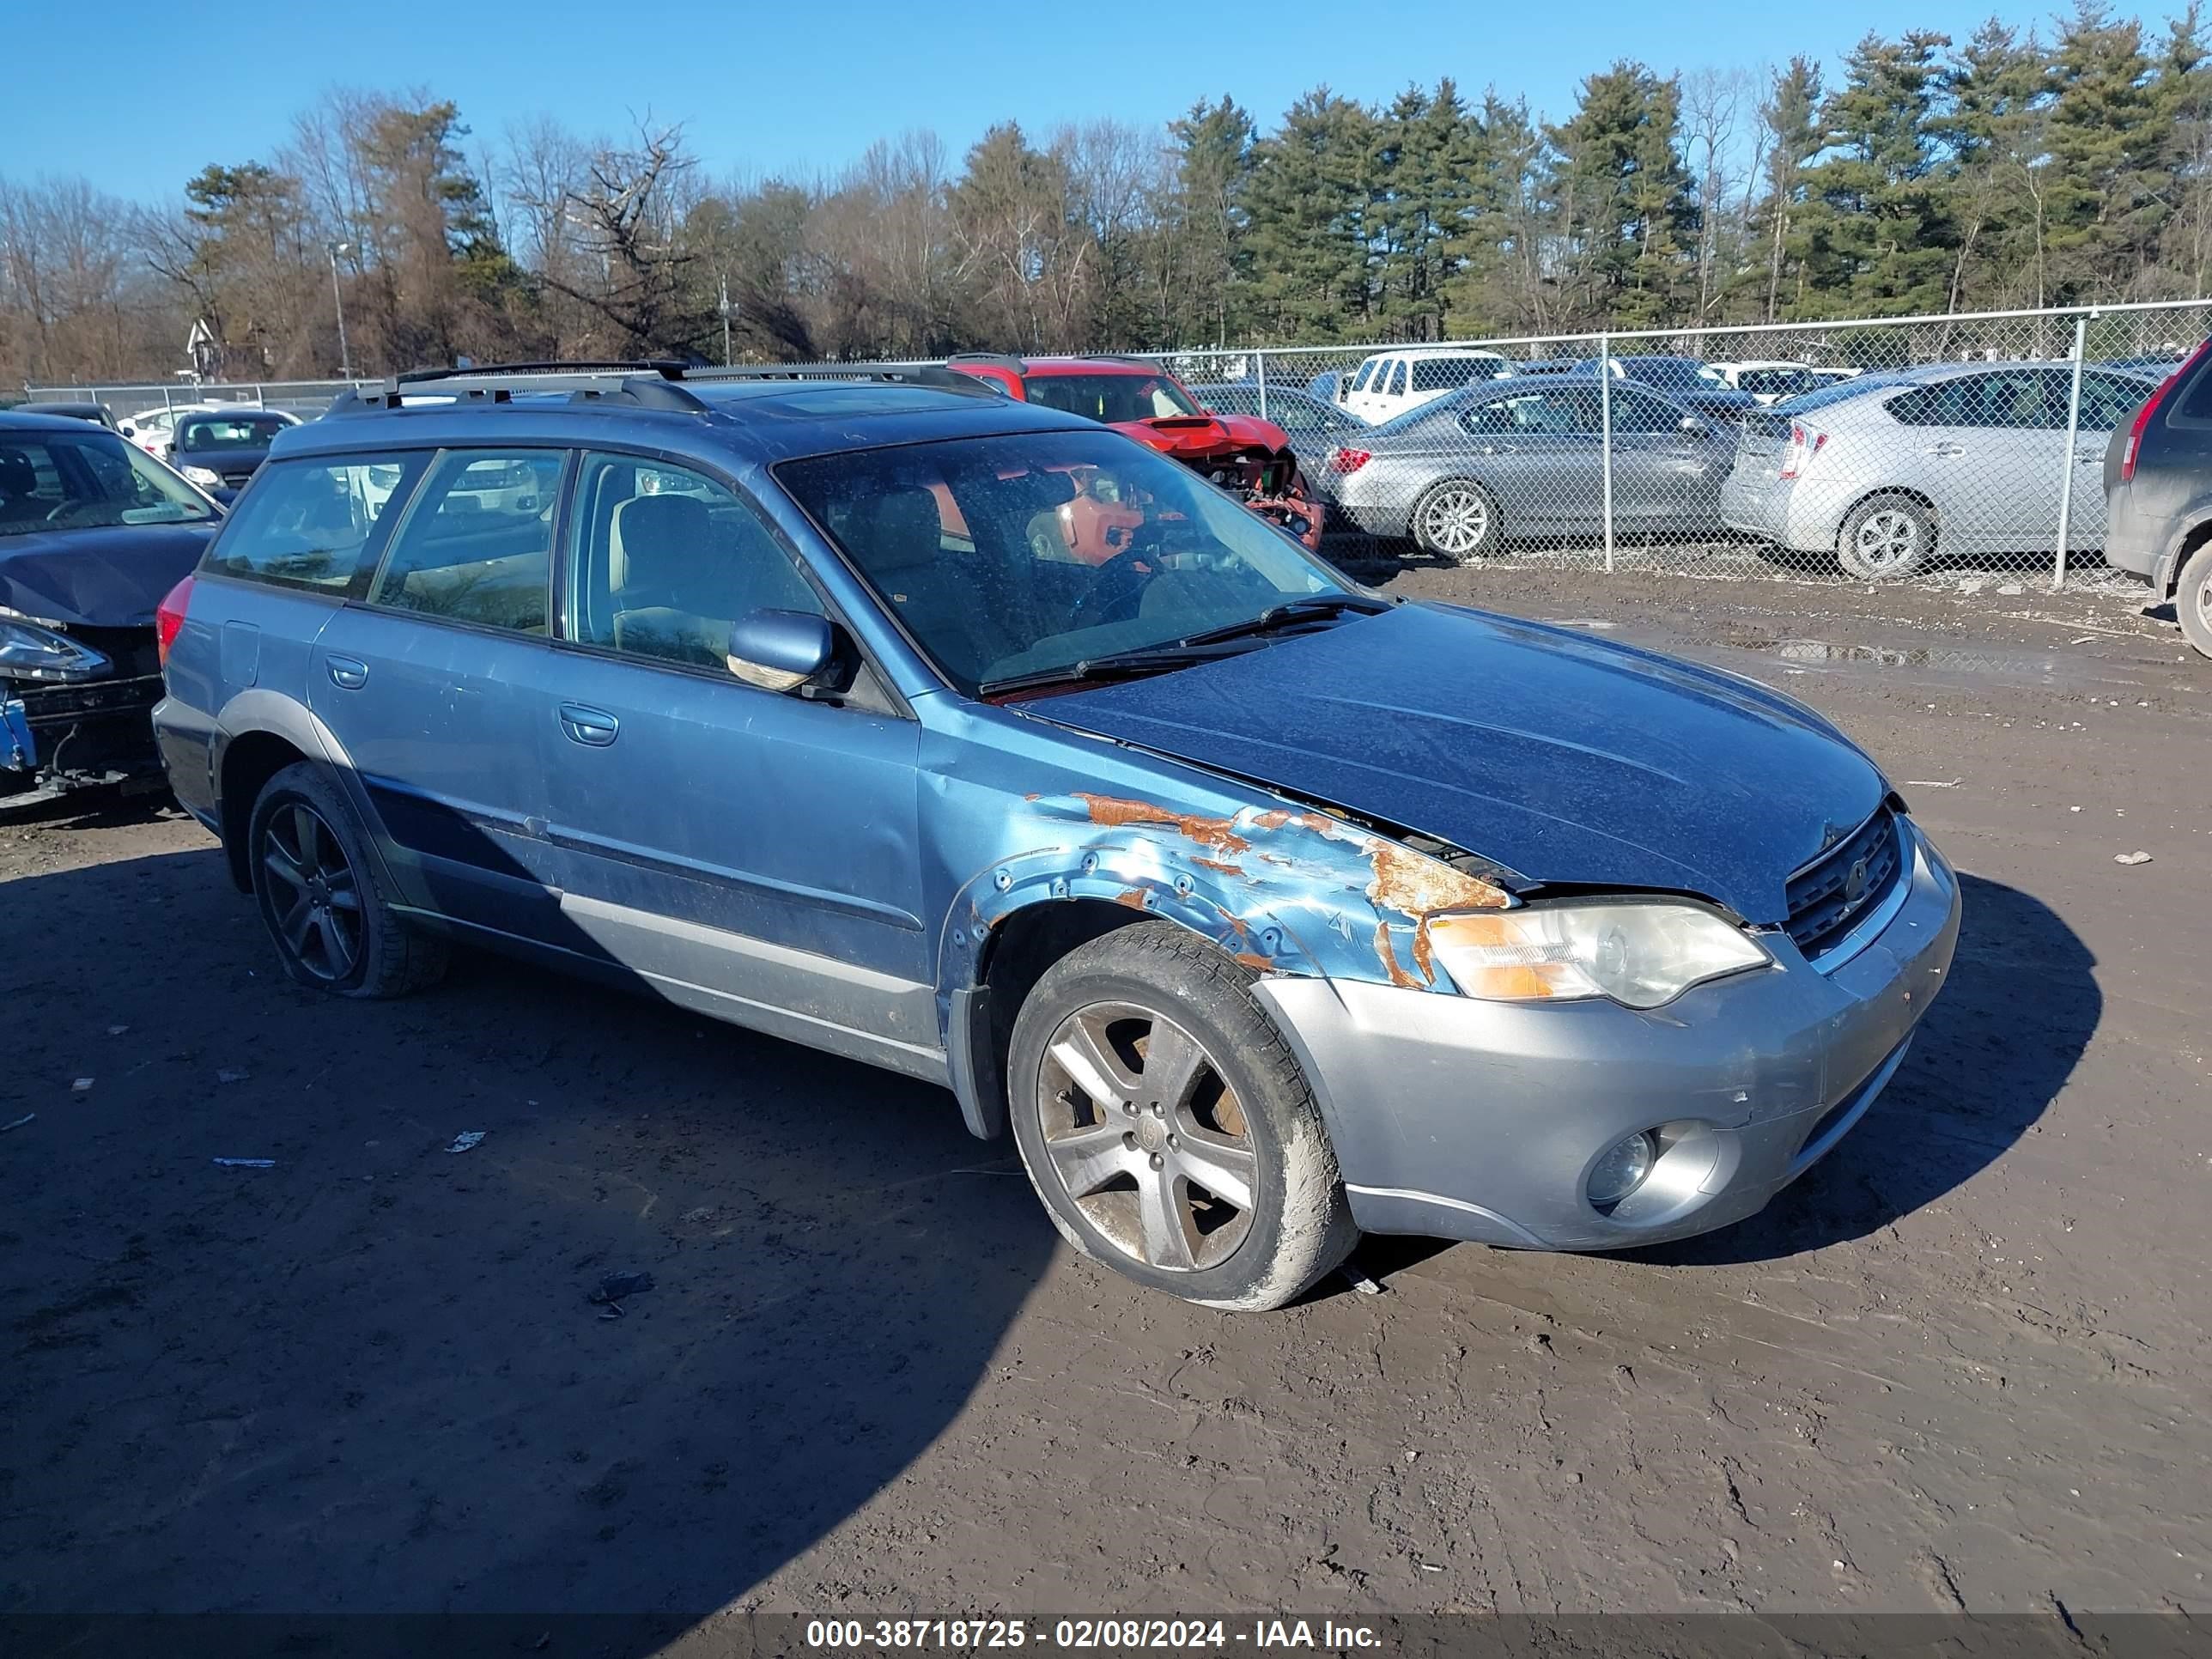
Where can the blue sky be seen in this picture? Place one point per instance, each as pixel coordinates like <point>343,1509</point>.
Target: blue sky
<point>799,88</point>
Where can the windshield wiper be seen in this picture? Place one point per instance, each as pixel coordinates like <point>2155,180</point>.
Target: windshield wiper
<point>1315,608</point>
<point>1119,666</point>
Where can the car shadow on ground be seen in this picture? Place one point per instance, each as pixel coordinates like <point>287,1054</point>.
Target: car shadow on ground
<point>371,1377</point>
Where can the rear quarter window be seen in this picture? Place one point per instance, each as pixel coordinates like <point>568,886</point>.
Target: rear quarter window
<point>312,523</point>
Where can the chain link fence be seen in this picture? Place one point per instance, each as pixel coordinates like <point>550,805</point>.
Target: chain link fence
<point>1942,449</point>
<point>1946,449</point>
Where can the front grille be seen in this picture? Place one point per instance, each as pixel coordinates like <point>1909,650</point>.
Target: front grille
<point>238,479</point>
<point>1829,896</point>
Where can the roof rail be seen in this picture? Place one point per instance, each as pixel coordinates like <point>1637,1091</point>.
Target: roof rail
<point>645,385</point>
<point>934,375</point>
<point>1118,357</point>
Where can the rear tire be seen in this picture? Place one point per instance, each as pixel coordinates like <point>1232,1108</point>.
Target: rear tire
<point>1456,520</point>
<point>318,892</point>
<point>1886,538</point>
<point>2192,599</point>
<point>1167,1127</point>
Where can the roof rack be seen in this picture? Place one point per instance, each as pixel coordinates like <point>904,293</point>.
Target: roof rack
<point>650,383</point>
<point>935,375</point>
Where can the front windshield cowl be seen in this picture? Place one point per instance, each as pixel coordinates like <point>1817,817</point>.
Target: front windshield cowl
<point>1006,558</point>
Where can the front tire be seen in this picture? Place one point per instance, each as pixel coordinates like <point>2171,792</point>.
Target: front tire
<point>1167,1127</point>
<point>318,892</point>
<point>2192,599</point>
<point>1886,538</point>
<point>1456,520</point>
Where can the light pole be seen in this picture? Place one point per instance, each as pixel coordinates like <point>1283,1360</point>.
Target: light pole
<point>338,297</point>
<point>725,322</point>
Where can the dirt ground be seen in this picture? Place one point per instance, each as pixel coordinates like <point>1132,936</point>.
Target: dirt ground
<point>1962,1365</point>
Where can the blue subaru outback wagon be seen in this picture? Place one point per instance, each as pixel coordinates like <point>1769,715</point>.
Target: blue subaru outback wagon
<point>875,711</point>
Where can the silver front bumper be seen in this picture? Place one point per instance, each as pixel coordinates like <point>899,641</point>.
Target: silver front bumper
<point>1458,1118</point>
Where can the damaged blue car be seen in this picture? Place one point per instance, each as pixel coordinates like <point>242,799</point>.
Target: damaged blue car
<point>877,712</point>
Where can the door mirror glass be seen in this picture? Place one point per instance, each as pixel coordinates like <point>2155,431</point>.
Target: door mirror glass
<point>777,650</point>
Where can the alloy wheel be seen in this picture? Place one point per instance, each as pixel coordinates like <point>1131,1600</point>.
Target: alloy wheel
<point>1147,1137</point>
<point>2204,602</point>
<point>315,896</point>
<point>1455,521</point>
<point>1888,538</point>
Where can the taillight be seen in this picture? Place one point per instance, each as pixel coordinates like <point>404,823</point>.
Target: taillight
<point>169,618</point>
<point>2151,404</point>
<point>1804,444</point>
<point>1350,460</point>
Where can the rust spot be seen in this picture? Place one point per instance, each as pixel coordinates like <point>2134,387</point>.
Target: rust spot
<point>1136,898</point>
<point>1225,865</point>
<point>1387,953</point>
<point>1217,834</point>
<point>1254,961</point>
<point>1421,956</point>
<point>1421,886</point>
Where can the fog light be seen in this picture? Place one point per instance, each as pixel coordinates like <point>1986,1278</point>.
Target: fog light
<point>1622,1170</point>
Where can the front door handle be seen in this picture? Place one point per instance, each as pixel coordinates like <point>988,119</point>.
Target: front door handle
<point>1948,451</point>
<point>348,673</point>
<point>586,724</point>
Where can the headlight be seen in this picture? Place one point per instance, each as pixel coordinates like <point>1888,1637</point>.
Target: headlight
<point>205,476</point>
<point>29,651</point>
<point>1640,953</point>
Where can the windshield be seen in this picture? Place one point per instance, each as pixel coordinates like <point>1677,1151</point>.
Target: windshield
<point>221,432</point>
<point>61,480</point>
<point>1110,398</point>
<point>1015,556</point>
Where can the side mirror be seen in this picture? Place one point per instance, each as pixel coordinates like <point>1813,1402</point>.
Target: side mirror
<point>777,650</point>
<point>1691,423</point>
<point>128,430</point>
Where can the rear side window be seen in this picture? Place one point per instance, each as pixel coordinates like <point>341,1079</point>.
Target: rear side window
<point>478,545</point>
<point>666,560</point>
<point>2111,400</point>
<point>1446,373</point>
<point>307,523</point>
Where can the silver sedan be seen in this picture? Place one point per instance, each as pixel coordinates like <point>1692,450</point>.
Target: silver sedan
<point>1525,458</point>
<point>1884,472</point>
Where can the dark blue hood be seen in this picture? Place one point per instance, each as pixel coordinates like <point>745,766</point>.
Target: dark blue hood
<point>1565,758</point>
<point>98,578</point>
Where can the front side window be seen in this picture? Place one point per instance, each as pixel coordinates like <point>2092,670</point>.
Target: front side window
<point>663,560</point>
<point>1397,386</point>
<point>1366,374</point>
<point>1633,411</point>
<point>477,543</point>
<point>306,523</point>
<point>1004,557</point>
<point>68,480</point>
<point>1536,414</point>
<point>1110,398</point>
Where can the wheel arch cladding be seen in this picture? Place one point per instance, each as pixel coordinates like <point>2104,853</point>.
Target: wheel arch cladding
<point>1279,888</point>
<point>249,761</point>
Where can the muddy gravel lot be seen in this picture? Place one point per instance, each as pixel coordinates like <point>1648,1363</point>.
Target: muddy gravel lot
<point>1964,1363</point>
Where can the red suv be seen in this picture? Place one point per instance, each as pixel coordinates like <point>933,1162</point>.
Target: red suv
<point>1249,457</point>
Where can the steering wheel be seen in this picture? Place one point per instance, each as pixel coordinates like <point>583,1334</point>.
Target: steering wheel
<point>1119,583</point>
<point>65,511</point>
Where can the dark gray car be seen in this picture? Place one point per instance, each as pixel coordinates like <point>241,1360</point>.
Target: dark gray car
<point>1525,457</point>
<point>221,449</point>
<point>2158,495</point>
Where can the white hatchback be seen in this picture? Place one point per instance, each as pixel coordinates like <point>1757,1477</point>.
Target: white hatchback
<point>1391,382</point>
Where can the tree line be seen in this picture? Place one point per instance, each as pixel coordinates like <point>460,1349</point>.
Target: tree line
<point>1922,174</point>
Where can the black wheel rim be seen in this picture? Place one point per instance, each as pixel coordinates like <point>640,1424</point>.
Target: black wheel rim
<point>314,897</point>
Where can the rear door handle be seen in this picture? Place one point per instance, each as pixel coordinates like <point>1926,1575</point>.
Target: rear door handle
<point>590,725</point>
<point>1945,450</point>
<point>348,673</point>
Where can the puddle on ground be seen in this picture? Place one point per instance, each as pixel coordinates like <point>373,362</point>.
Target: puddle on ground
<point>1953,659</point>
